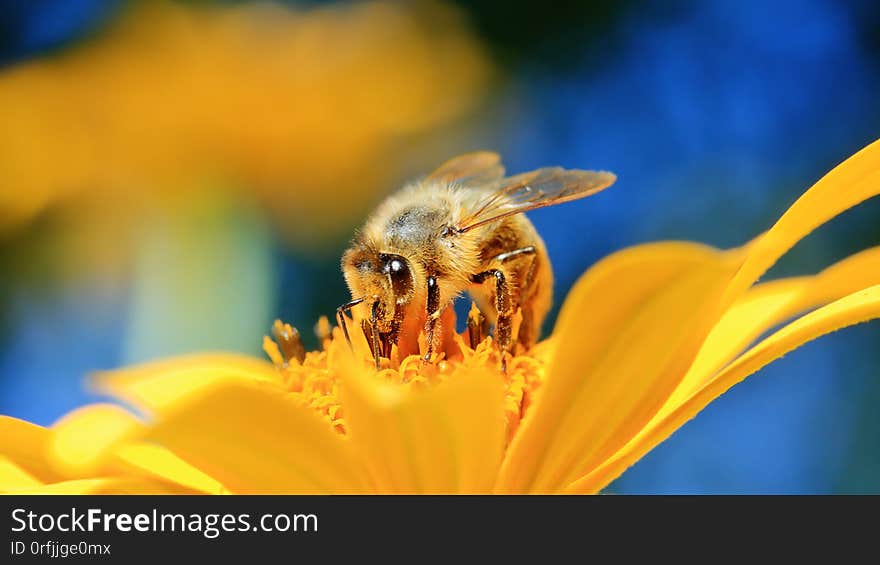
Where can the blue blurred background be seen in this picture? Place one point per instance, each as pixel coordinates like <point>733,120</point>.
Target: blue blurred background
<point>715,114</point>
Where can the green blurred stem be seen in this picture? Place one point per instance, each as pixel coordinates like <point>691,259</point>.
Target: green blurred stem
<point>203,280</point>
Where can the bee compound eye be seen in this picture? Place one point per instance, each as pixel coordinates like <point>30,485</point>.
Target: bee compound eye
<point>397,269</point>
<point>394,264</point>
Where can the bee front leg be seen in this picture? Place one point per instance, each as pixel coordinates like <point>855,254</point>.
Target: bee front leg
<point>503,308</point>
<point>433,315</point>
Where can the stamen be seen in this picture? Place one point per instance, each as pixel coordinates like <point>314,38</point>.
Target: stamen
<point>323,330</point>
<point>477,326</point>
<point>314,382</point>
<point>271,349</point>
<point>289,341</point>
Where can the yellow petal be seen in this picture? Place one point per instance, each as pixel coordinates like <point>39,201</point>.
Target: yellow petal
<point>82,441</point>
<point>854,273</point>
<point>760,309</point>
<point>160,463</point>
<point>156,386</point>
<point>855,180</point>
<point>13,477</point>
<point>27,445</point>
<point>852,309</point>
<point>446,439</point>
<point>253,439</point>
<point>849,183</point>
<point>770,304</point>
<point>101,439</point>
<point>109,485</point>
<point>626,335</point>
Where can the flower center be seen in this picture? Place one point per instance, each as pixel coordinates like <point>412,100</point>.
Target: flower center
<point>313,378</point>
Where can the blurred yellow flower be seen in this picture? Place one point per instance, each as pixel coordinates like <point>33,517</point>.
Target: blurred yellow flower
<point>645,340</point>
<point>309,112</point>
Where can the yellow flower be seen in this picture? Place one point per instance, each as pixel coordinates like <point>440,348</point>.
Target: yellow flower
<point>646,338</point>
<point>273,104</point>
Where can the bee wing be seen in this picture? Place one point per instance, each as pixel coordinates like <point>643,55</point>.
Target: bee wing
<point>470,168</point>
<point>535,189</point>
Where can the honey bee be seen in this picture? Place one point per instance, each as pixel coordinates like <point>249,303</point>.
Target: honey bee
<point>460,229</point>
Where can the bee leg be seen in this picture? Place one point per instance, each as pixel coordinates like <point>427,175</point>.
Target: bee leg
<point>522,251</point>
<point>433,312</point>
<point>374,333</point>
<point>526,332</point>
<point>504,309</point>
<point>477,324</point>
<point>340,316</point>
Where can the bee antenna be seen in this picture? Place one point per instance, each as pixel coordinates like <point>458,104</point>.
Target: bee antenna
<point>340,316</point>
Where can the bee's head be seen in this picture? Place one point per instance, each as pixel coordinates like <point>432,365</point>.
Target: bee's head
<point>383,278</point>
